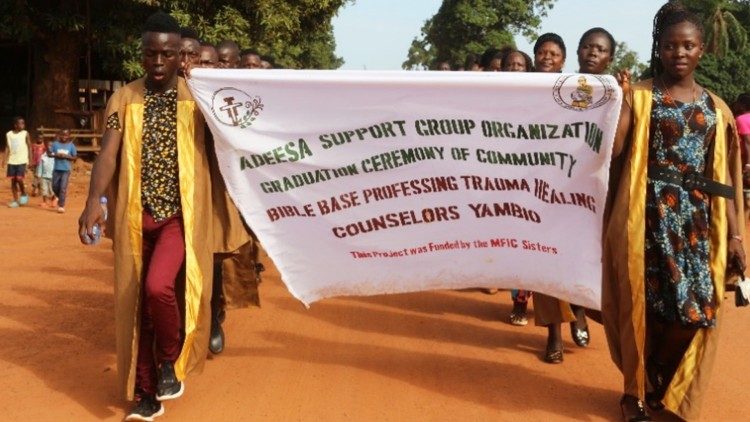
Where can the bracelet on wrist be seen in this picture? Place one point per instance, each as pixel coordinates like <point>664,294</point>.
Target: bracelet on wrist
<point>736,237</point>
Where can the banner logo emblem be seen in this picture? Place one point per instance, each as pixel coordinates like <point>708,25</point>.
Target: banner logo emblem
<point>234,107</point>
<point>575,93</point>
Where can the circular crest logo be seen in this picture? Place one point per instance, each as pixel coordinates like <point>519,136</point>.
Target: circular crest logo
<point>234,107</point>
<point>582,92</point>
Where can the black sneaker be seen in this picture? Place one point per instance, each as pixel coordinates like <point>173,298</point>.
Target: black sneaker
<point>146,409</point>
<point>169,387</point>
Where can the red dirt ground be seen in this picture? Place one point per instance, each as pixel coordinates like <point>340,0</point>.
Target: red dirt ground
<point>428,356</point>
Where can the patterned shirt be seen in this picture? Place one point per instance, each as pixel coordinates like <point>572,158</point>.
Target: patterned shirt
<point>160,182</point>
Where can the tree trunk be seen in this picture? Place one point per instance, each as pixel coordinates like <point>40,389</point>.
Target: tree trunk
<point>55,83</point>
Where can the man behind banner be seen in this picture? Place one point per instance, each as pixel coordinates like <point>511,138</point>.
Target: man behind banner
<point>161,222</point>
<point>236,275</point>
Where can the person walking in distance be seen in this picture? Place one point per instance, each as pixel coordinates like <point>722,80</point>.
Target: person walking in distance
<point>65,153</point>
<point>17,156</point>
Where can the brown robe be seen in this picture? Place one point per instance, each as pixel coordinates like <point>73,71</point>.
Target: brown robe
<point>238,254</point>
<point>551,310</point>
<point>623,289</point>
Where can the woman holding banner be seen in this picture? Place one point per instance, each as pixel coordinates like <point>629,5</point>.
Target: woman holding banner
<point>595,52</point>
<point>672,237</point>
<point>549,56</point>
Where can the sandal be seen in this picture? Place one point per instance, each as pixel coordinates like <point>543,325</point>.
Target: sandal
<point>553,356</point>
<point>518,319</point>
<point>633,410</point>
<point>518,314</point>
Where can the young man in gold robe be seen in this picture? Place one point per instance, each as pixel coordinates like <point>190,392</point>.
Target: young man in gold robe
<point>153,167</point>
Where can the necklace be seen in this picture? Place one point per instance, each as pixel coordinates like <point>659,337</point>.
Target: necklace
<point>686,127</point>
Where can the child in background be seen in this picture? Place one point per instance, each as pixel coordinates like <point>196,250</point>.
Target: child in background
<point>44,172</point>
<point>17,153</point>
<point>38,149</point>
<point>65,153</point>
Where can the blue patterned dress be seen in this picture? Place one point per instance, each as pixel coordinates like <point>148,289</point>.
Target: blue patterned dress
<point>679,287</point>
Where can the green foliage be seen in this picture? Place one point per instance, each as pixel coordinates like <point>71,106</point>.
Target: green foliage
<point>723,30</point>
<point>461,27</point>
<point>726,23</point>
<point>297,34</point>
<point>625,58</point>
<point>25,20</point>
<point>727,76</point>
<point>228,23</point>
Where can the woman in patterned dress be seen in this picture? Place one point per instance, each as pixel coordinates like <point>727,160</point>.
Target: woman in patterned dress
<point>672,235</point>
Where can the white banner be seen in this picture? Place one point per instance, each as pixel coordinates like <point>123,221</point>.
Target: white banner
<point>362,183</point>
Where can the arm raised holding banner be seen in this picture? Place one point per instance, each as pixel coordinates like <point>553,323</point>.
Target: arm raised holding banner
<point>626,114</point>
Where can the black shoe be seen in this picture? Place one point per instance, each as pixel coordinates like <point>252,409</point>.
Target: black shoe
<point>146,409</point>
<point>580,336</point>
<point>216,341</point>
<point>633,410</point>
<point>169,387</point>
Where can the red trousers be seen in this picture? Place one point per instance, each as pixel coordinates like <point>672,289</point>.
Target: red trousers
<point>163,256</point>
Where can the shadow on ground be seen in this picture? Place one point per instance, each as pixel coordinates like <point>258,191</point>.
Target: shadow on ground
<point>67,340</point>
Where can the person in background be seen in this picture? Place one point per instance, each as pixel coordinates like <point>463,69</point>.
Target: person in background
<point>190,48</point>
<point>250,59</point>
<point>443,66</point>
<point>65,153</point>
<point>596,50</point>
<point>236,271</point>
<point>44,172</point>
<point>17,156</point>
<point>518,61</point>
<point>267,62</point>
<point>549,57</point>
<point>742,110</point>
<point>229,58</point>
<point>209,58</point>
<point>492,60</point>
<point>471,64</point>
<point>229,55</point>
<point>37,150</point>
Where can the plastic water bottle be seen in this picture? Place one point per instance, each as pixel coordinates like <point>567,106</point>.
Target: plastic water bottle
<point>96,230</point>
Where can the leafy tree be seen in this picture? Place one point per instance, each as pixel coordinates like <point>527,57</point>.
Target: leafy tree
<point>727,76</point>
<point>625,58</point>
<point>461,27</point>
<point>723,23</point>
<point>725,68</point>
<point>297,34</point>
<point>724,30</point>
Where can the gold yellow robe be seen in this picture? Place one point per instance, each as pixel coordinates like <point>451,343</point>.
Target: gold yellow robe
<point>623,289</point>
<point>204,234</point>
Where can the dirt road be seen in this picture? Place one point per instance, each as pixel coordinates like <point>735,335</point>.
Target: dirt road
<point>437,356</point>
